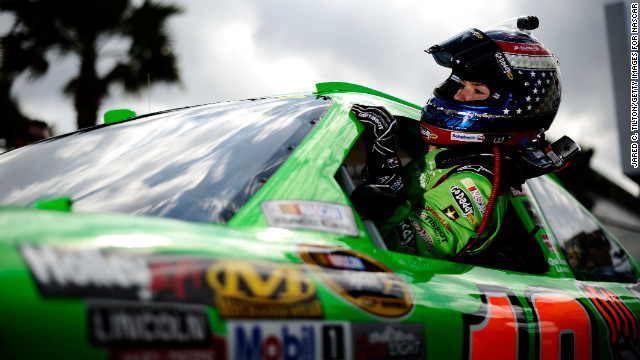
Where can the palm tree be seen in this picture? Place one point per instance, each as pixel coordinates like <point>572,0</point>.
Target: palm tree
<point>84,28</point>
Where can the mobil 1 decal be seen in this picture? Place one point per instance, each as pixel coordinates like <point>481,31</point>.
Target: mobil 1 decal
<point>362,280</point>
<point>238,288</point>
<point>311,340</point>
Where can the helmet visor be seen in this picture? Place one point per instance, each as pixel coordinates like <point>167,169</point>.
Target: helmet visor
<point>474,57</point>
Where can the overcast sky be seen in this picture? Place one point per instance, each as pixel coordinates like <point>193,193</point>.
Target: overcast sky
<point>244,48</point>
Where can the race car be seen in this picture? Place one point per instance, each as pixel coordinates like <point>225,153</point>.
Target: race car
<point>226,231</point>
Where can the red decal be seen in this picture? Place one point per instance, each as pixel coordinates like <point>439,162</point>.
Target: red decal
<point>439,218</point>
<point>217,351</point>
<point>500,323</point>
<point>621,322</point>
<point>561,314</point>
<point>523,49</point>
<point>518,193</point>
<point>173,276</point>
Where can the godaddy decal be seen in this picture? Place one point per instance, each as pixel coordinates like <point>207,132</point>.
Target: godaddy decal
<point>464,202</point>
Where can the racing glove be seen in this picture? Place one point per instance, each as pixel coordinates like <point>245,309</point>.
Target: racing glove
<point>380,195</point>
<point>381,139</point>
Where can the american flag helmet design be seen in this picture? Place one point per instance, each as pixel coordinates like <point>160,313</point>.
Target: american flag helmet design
<point>523,77</point>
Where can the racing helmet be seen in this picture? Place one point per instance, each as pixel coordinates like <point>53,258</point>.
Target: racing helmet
<point>523,78</point>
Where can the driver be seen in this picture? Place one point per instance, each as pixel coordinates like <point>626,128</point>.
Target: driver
<point>503,93</point>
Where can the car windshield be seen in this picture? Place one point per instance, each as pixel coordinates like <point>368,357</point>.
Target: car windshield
<point>198,164</point>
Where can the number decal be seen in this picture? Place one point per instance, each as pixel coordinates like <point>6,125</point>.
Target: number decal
<point>333,340</point>
<point>621,322</point>
<point>500,318</point>
<point>570,334</point>
<point>563,324</point>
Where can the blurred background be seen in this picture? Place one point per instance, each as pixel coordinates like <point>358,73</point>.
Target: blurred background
<point>66,62</point>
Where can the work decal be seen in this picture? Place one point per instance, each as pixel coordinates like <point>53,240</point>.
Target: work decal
<point>310,215</point>
<point>238,288</point>
<point>574,334</point>
<point>360,279</point>
<point>310,340</point>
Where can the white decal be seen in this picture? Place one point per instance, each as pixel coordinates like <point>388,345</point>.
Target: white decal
<point>310,215</point>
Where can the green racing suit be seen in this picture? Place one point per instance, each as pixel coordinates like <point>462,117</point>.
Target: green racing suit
<point>443,210</point>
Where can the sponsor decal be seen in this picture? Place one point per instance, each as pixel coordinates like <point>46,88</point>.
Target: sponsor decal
<point>87,272</point>
<point>178,279</point>
<point>215,352</point>
<point>288,340</point>
<point>310,215</point>
<point>436,230</point>
<point>504,65</point>
<point>427,134</point>
<point>451,212</point>
<point>464,203</point>
<point>501,139</point>
<point>551,244</point>
<point>437,216</point>
<point>526,49</point>
<point>378,123</point>
<point>344,261</point>
<point>475,33</point>
<point>325,340</point>
<point>475,194</point>
<point>393,162</point>
<point>406,236</point>
<point>519,193</point>
<point>126,324</point>
<point>244,289</point>
<point>559,264</point>
<point>238,288</point>
<point>533,212</point>
<point>388,341</point>
<point>424,235</point>
<point>271,340</point>
<point>376,289</point>
<point>458,136</point>
<point>397,185</point>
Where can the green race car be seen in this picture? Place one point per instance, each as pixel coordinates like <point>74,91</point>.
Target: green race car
<point>225,231</point>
